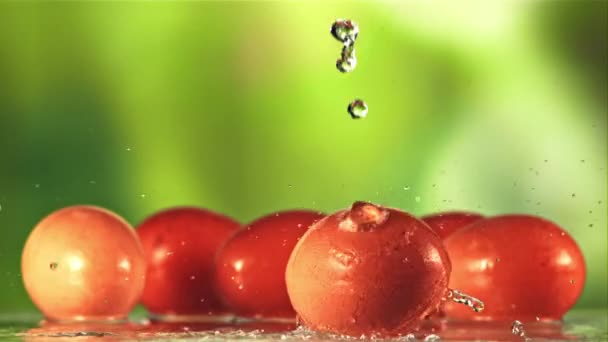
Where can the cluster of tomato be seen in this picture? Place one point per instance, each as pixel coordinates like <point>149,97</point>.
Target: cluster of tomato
<point>367,269</point>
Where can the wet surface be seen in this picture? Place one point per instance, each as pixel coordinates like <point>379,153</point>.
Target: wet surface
<point>580,325</point>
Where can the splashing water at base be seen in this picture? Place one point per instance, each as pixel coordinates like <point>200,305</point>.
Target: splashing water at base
<point>357,109</point>
<point>463,298</point>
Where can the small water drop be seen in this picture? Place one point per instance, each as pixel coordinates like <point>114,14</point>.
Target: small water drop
<point>572,281</point>
<point>143,195</point>
<point>357,109</point>
<point>497,259</point>
<point>241,287</point>
<point>406,188</point>
<point>409,338</point>
<point>345,31</point>
<point>92,182</point>
<point>53,266</point>
<point>128,149</point>
<point>192,277</point>
<point>417,199</point>
<point>537,318</point>
<point>183,243</point>
<point>36,185</point>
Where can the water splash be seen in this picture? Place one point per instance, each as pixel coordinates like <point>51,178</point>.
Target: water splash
<point>463,298</point>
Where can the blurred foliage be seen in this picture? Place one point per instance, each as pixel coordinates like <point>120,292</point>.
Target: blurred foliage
<point>493,107</point>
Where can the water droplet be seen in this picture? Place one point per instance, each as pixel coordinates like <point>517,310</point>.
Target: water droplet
<point>405,260</point>
<point>432,338</point>
<point>345,31</point>
<point>406,188</point>
<point>417,199</point>
<point>517,329</point>
<point>241,287</point>
<point>590,225</point>
<point>573,194</point>
<point>463,298</point>
<point>128,149</point>
<point>357,109</point>
<point>202,300</point>
<point>572,281</point>
<point>537,318</point>
<point>346,64</point>
<point>183,243</point>
<point>143,195</point>
<point>299,225</point>
<point>36,185</point>
<point>92,182</point>
<point>53,266</point>
<point>497,259</point>
<point>0,207</point>
<point>192,277</point>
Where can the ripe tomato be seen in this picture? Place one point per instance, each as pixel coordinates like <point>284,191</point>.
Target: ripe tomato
<point>251,266</point>
<point>367,270</point>
<point>180,245</point>
<point>447,223</point>
<point>83,263</point>
<point>521,266</point>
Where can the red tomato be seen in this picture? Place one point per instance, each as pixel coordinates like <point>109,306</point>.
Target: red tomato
<point>367,270</point>
<point>521,266</point>
<point>251,266</point>
<point>180,245</point>
<point>444,224</point>
<point>83,263</point>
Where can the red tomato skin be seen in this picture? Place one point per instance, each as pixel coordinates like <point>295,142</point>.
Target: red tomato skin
<point>523,267</point>
<point>180,246</point>
<point>83,263</point>
<point>251,266</point>
<point>446,223</point>
<point>359,278</point>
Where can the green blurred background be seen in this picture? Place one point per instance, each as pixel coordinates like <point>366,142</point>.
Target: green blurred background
<point>493,107</point>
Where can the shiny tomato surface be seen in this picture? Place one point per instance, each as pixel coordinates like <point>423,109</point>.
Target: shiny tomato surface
<point>522,267</point>
<point>367,270</point>
<point>444,224</point>
<point>83,263</point>
<point>180,245</point>
<point>251,266</point>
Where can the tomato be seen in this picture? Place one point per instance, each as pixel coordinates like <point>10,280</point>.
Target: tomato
<point>521,266</point>
<point>180,245</point>
<point>444,224</point>
<point>367,270</point>
<point>251,266</point>
<point>83,263</point>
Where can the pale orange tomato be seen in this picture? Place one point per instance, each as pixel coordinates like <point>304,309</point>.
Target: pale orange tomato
<point>83,263</point>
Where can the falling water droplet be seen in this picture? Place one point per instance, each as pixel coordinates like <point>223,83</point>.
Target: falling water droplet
<point>345,31</point>
<point>346,65</point>
<point>53,266</point>
<point>517,329</point>
<point>463,298</point>
<point>357,109</point>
